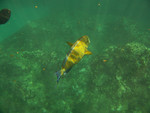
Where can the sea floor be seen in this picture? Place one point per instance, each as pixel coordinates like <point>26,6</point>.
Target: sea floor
<point>114,79</point>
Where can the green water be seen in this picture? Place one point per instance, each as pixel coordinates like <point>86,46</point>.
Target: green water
<point>114,79</point>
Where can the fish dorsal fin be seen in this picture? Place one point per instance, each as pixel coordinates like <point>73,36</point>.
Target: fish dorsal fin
<point>88,52</point>
<point>70,44</point>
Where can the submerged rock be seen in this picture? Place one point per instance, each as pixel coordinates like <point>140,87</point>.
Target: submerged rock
<point>4,15</point>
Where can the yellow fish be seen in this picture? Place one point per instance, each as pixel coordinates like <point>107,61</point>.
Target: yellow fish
<point>76,53</point>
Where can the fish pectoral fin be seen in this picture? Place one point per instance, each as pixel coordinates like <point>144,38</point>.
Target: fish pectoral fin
<point>88,52</point>
<point>70,44</point>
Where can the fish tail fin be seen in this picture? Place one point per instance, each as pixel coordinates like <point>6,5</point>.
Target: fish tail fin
<point>58,73</point>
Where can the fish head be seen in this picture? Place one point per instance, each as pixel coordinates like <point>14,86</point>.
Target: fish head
<point>85,39</point>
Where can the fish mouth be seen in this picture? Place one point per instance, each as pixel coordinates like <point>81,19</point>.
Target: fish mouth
<point>88,40</point>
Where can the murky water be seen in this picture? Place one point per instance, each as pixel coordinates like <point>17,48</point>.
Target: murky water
<point>114,79</point>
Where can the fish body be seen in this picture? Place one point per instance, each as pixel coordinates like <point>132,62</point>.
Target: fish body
<point>76,53</point>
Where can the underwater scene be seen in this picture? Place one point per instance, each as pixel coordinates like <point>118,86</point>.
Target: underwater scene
<point>74,56</point>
